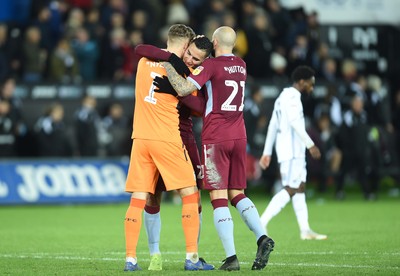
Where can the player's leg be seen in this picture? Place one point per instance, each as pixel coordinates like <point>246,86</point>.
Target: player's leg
<point>223,223</point>
<point>216,171</point>
<point>132,224</point>
<point>191,225</point>
<point>297,182</point>
<point>194,156</point>
<point>237,185</point>
<point>246,208</point>
<point>301,210</point>
<point>280,199</point>
<point>140,181</point>
<point>177,172</point>
<point>152,222</point>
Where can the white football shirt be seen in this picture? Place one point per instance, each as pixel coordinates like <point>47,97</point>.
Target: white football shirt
<point>287,127</point>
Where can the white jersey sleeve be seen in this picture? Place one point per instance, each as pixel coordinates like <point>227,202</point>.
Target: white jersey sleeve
<point>271,135</point>
<point>300,130</point>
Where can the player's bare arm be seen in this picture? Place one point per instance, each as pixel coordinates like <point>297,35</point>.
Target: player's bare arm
<point>264,162</point>
<point>182,86</point>
<point>315,153</point>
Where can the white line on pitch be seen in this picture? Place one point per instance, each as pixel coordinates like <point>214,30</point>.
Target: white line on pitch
<point>277,253</point>
<point>50,256</point>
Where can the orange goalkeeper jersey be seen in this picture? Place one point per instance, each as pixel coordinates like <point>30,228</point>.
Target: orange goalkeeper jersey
<point>156,114</point>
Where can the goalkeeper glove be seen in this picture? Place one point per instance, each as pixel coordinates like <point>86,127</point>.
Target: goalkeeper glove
<point>164,86</point>
<point>179,65</point>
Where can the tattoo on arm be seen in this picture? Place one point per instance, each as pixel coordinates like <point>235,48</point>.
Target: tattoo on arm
<point>182,86</point>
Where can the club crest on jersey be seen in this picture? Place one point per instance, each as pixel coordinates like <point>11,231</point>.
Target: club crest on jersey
<point>197,70</point>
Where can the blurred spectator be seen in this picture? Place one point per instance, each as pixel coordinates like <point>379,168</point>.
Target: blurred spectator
<point>4,52</point>
<point>15,42</point>
<point>110,7</point>
<point>313,31</point>
<point>7,136</point>
<point>280,21</point>
<point>49,20</point>
<point>117,21</point>
<point>87,127</point>
<point>87,54</point>
<point>217,8</point>
<point>278,66</point>
<point>331,105</point>
<point>75,21</point>
<point>319,55</point>
<point>378,103</point>
<point>43,23</point>
<point>131,59</point>
<point>63,64</point>
<point>255,121</point>
<point>20,128</point>
<point>354,141</point>
<point>300,53</point>
<point>140,20</point>
<point>34,56</point>
<point>10,47</point>
<point>94,27</point>
<point>211,23</point>
<point>260,46</point>
<point>327,167</point>
<point>248,10</point>
<point>117,128</point>
<point>241,45</point>
<point>349,75</point>
<point>357,87</point>
<point>155,8</point>
<point>7,94</point>
<point>177,12</point>
<point>51,133</point>
<point>298,26</point>
<point>113,58</point>
<point>328,71</point>
<point>379,115</point>
<point>253,118</point>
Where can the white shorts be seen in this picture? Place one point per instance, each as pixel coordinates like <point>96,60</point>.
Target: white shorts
<point>293,172</point>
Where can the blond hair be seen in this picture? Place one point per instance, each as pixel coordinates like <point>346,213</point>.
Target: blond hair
<point>180,32</point>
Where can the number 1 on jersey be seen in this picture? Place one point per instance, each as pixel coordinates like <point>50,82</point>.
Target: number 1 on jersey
<point>150,98</point>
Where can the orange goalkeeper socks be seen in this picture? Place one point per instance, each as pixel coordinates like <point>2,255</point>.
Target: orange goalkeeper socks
<point>133,223</point>
<point>191,221</point>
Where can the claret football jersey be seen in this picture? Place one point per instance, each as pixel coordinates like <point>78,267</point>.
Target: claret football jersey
<point>223,80</point>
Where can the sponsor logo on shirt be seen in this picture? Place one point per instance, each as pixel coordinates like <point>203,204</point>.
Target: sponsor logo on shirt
<point>197,70</point>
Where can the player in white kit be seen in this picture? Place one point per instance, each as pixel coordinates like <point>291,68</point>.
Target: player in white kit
<point>287,131</point>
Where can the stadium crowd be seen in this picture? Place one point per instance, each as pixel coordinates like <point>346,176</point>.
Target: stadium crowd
<point>80,41</point>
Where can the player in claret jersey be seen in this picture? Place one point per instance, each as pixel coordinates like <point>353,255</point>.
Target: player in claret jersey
<point>224,143</point>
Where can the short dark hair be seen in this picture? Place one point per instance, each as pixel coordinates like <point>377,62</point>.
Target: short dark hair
<point>204,44</point>
<point>302,72</point>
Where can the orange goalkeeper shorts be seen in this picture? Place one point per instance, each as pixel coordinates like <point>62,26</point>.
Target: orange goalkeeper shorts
<point>151,158</point>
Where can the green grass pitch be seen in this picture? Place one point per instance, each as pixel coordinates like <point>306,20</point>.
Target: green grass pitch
<point>363,239</point>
